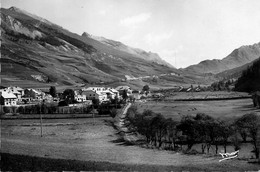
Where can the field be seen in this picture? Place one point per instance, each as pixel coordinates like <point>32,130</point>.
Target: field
<point>93,144</point>
<point>223,109</point>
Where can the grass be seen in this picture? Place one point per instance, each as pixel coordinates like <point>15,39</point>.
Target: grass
<point>29,163</point>
<point>223,109</point>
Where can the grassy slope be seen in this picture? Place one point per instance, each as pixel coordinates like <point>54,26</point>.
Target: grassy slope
<point>90,61</point>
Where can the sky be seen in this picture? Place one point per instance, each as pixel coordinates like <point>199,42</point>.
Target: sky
<point>182,32</point>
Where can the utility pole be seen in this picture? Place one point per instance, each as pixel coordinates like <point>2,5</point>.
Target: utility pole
<point>93,112</point>
<point>41,120</point>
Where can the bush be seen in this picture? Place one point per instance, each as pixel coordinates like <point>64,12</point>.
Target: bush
<point>63,103</point>
<point>6,109</point>
<point>113,113</point>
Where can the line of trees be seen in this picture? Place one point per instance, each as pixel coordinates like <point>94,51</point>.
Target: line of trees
<point>46,109</point>
<point>165,133</point>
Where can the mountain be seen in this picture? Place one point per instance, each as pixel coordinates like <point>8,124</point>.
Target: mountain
<point>250,79</point>
<point>236,58</point>
<point>37,51</point>
<point>234,73</point>
<point>153,57</point>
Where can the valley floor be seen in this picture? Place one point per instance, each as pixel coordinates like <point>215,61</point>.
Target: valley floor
<point>93,145</point>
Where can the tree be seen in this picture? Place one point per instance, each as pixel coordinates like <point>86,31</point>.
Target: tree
<point>189,128</point>
<point>69,96</point>
<point>53,91</point>
<point>146,88</point>
<point>125,96</point>
<point>113,112</point>
<point>29,93</point>
<point>251,123</point>
<point>226,131</point>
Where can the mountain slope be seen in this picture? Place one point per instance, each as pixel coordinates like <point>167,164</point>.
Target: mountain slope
<point>250,78</point>
<point>153,57</point>
<point>235,73</point>
<point>238,57</point>
<point>34,49</point>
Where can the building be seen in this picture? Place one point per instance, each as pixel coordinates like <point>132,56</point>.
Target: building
<point>96,89</point>
<point>17,91</point>
<point>136,95</point>
<point>121,89</point>
<point>80,98</point>
<point>100,93</point>
<point>115,93</point>
<point>92,94</point>
<point>7,98</point>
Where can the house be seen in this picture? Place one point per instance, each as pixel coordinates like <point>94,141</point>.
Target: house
<point>92,94</point>
<point>115,93</point>
<point>101,93</point>
<point>97,89</point>
<point>7,98</point>
<point>80,98</point>
<point>121,89</point>
<point>17,91</point>
<point>48,98</point>
<point>34,94</point>
<point>136,95</point>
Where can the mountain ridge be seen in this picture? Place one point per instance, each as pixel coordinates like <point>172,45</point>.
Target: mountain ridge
<point>58,56</point>
<point>238,57</point>
<point>154,57</point>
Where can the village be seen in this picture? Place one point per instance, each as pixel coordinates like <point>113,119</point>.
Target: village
<point>13,98</point>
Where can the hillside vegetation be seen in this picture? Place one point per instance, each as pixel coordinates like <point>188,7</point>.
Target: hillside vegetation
<point>38,51</point>
<point>250,78</point>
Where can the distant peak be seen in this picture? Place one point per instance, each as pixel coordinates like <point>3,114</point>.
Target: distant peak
<point>13,8</point>
<point>85,34</point>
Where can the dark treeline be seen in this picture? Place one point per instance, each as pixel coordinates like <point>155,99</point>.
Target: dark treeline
<point>200,129</point>
<point>250,78</point>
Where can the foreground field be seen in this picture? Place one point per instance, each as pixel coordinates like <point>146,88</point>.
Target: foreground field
<point>93,145</point>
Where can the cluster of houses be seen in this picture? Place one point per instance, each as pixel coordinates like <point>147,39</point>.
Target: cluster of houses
<point>101,93</point>
<point>13,96</point>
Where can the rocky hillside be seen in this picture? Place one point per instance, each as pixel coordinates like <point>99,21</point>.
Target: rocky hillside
<point>237,58</point>
<point>149,56</point>
<point>36,50</point>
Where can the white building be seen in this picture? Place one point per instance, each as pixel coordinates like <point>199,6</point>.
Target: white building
<point>121,89</point>
<point>100,93</point>
<point>17,91</point>
<point>80,98</point>
<point>136,95</point>
<point>115,93</point>
<point>8,98</point>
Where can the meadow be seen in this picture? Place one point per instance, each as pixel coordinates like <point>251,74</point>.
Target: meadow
<point>93,144</point>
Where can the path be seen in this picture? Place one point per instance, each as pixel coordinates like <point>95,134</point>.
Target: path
<point>120,124</point>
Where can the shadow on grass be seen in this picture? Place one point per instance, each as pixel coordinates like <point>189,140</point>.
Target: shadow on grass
<point>248,107</point>
<point>120,141</point>
<point>10,162</point>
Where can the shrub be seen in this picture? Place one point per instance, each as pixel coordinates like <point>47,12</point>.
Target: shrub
<point>63,103</point>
